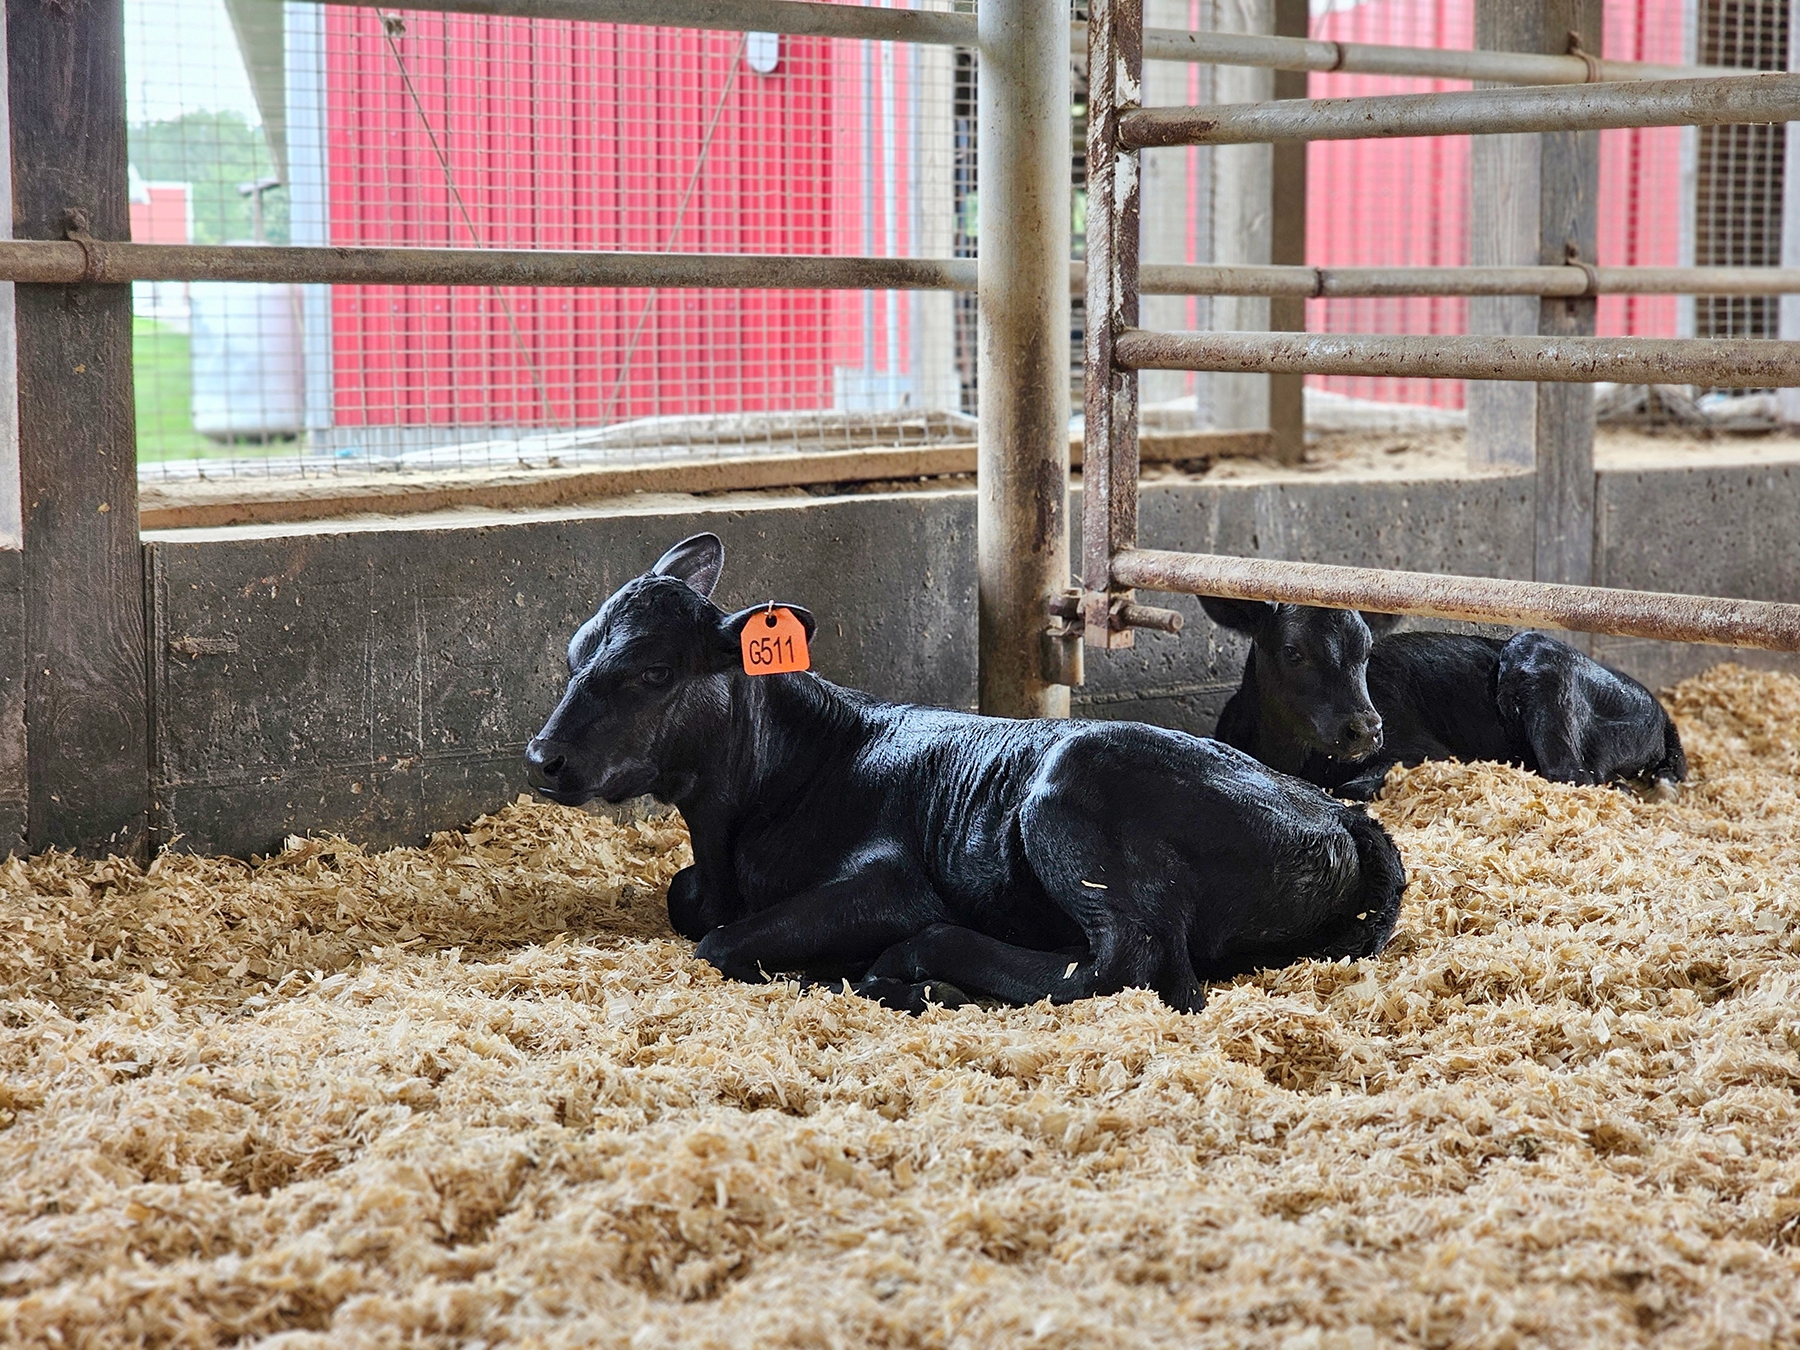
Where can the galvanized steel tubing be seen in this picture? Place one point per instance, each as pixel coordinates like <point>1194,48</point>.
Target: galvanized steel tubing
<point>877,24</point>
<point>1592,609</point>
<point>65,262</point>
<point>1752,363</point>
<point>1330,282</point>
<point>1591,107</point>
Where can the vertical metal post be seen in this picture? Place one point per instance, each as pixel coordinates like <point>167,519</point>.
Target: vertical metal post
<point>1790,218</point>
<point>86,676</point>
<point>1535,201</point>
<point>1109,463</point>
<point>1242,218</point>
<point>1022,517</point>
<point>1287,244</point>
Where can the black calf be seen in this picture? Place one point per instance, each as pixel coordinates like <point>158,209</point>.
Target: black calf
<point>1325,700</point>
<point>926,853</point>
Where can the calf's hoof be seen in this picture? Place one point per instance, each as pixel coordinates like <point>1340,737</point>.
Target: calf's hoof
<point>716,949</point>
<point>910,998</point>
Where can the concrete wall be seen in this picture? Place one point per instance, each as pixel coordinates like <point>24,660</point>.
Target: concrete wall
<point>383,682</point>
<point>1708,531</point>
<point>380,680</point>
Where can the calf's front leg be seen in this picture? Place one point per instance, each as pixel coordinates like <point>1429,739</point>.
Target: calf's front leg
<point>843,924</point>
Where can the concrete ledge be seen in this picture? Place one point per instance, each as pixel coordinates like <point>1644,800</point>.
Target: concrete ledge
<point>1707,530</point>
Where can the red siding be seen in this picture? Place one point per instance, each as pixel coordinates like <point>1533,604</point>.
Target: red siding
<point>562,135</point>
<point>1406,202</point>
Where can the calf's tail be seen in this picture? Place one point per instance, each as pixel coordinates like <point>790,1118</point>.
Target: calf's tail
<point>1369,915</point>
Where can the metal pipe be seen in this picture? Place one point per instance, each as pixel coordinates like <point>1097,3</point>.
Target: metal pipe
<point>1022,477</point>
<point>876,24</point>
<point>1590,609</point>
<point>1109,459</point>
<point>1322,282</point>
<point>65,262</point>
<point>1755,363</point>
<point>1358,58</point>
<point>802,18</point>
<point>1590,107</point>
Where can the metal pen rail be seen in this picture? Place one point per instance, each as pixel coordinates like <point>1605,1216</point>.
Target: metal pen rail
<point>1113,566</point>
<point>70,262</point>
<point>806,18</point>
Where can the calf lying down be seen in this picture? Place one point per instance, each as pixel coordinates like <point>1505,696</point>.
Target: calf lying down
<point>1324,699</point>
<point>929,855</point>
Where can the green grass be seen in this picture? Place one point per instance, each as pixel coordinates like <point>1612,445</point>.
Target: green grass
<point>161,372</point>
<point>162,368</point>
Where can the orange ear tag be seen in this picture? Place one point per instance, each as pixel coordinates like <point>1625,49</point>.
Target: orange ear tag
<point>774,643</point>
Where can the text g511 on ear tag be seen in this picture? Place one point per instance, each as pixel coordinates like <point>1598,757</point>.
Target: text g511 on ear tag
<point>774,642</point>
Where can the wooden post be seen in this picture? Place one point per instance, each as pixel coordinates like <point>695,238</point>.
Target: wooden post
<point>1535,201</point>
<point>86,682</point>
<point>1287,244</point>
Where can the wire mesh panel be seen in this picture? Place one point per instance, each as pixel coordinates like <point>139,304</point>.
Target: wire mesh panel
<point>1406,202</point>
<point>368,126</point>
<point>1738,169</point>
<point>412,128</point>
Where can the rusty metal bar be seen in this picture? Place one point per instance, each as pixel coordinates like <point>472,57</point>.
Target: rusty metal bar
<point>1326,282</point>
<point>65,262</point>
<point>1588,107</point>
<point>1110,428</point>
<point>798,17</point>
<point>1358,58</point>
<point>1754,363</point>
<point>876,24</point>
<point>1590,609</point>
<point>1022,459</point>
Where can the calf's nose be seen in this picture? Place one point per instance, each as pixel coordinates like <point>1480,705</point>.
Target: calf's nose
<point>1364,731</point>
<point>544,762</point>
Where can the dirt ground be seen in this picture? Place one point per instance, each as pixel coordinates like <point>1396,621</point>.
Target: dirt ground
<point>475,1094</point>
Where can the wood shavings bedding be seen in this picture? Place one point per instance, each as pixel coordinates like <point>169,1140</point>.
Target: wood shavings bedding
<point>476,1094</point>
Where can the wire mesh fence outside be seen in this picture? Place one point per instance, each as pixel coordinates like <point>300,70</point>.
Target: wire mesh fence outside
<point>367,126</point>
<point>413,128</point>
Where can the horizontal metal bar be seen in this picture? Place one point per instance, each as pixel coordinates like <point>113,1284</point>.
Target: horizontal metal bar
<point>1588,609</point>
<point>1752,363</point>
<point>1589,107</point>
<point>802,18</point>
<point>872,23</point>
<point>64,262</point>
<point>1326,282</point>
<point>1359,58</point>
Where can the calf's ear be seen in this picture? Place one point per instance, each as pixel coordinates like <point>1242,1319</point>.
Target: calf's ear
<point>731,627</point>
<point>697,560</point>
<point>1241,616</point>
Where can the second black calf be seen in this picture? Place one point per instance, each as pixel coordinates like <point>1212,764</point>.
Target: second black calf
<point>1325,699</point>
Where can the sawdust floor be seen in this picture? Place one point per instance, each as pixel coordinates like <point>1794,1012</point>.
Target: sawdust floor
<point>475,1094</point>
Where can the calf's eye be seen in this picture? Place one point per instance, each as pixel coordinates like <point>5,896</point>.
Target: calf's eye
<point>656,675</point>
<point>1292,655</point>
